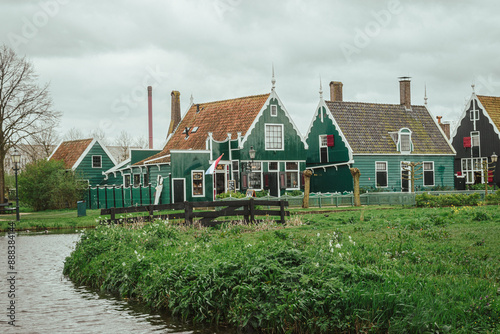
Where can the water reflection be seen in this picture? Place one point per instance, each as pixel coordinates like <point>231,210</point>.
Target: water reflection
<point>47,302</point>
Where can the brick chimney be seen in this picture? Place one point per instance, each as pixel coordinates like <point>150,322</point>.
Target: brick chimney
<point>336,91</point>
<point>444,126</point>
<point>405,92</point>
<point>175,111</point>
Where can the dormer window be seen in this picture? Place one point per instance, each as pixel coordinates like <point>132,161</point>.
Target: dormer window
<point>404,144</point>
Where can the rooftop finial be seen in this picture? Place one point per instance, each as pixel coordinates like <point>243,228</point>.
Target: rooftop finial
<point>425,95</point>
<point>320,89</point>
<point>273,80</point>
<point>473,88</point>
<point>191,100</point>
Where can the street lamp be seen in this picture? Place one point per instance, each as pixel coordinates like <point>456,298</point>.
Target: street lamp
<point>486,167</point>
<point>16,159</point>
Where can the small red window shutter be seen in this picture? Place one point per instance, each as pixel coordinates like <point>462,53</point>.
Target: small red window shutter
<point>244,181</point>
<point>490,176</point>
<point>467,142</point>
<point>330,142</point>
<point>266,180</point>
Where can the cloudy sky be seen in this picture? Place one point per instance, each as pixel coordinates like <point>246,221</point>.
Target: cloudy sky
<point>99,56</point>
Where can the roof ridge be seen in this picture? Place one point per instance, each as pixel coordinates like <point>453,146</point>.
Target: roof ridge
<point>238,98</point>
<point>495,97</point>
<point>381,104</point>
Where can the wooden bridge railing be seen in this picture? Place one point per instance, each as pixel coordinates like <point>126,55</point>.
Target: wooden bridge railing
<point>245,208</point>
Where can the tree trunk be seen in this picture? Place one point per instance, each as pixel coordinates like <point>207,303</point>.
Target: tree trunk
<point>355,177</point>
<point>307,182</point>
<point>2,178</point>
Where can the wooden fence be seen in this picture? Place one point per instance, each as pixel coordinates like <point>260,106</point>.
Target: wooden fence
<point>248,209</point>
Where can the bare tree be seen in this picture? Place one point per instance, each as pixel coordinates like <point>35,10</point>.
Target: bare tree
<point>25,107</point>
<point>40,145</point>
<point>141,142</point>
<point>100,135</point>
<point>73,134</point>
<point>124,141</point>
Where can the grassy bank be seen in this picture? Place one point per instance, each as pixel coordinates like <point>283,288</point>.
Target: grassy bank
<point>50,219</point>
<point>399,270</point>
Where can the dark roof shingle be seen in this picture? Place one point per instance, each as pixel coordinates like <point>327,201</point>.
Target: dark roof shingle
<point>367,127</point>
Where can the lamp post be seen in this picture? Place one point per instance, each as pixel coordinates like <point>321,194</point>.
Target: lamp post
<point>486,167</point>
<point>16,159</point>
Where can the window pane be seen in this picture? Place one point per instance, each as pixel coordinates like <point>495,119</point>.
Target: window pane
<point>323,141</point>
<point>405,142</point>
<point>197,183</point>
<point>381,166</point>
<point>381,179</point>
<point>292,166</point>
<point>428,166</point>
<point>292,179</point>
<point>428,178</point>
<point>274,137</point>
<point>273,165</point>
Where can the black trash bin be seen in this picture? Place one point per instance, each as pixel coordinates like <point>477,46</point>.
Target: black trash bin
<point>81,208</point>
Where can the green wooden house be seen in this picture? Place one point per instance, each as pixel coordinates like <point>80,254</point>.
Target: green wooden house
<point>87,157</point>
<point>381,140</point>
<point>233,129</point>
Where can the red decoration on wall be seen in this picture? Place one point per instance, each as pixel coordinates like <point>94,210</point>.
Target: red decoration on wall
<point>490,176</point>
<point>330,141</point>
<point>467,142</point>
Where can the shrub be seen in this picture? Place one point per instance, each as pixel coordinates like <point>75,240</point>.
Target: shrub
<point>493,198</point>
<point>433,201</point>
<point>294,193</point>
<point>230,194</point>
<point>46,184</point>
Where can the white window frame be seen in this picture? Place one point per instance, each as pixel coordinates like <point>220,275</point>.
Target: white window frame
<point>296,171</point>
<point>274,110</point>
<point>323,144</point>
<point>273,170</point>
<point>202,183</point>
<point>400,141</point>
<point>237,171</point>
<point>474,113</point>
<point>267,148</point>
<point>133,180</point>
<point>471,165</point>
<point>429,170</point>
<point>386,170</point>
<point>100,160</point>
<point>129,180</point>
<point>260,171</point>
<point>475,134</point>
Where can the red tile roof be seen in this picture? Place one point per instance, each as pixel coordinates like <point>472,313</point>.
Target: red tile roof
<point>492,106</point>
<point>70,151</point>
<point>220,118</point>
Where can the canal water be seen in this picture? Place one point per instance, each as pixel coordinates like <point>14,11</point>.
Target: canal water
<point>48,302</point>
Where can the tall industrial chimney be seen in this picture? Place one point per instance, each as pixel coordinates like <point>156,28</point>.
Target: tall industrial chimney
<point>175,111</point>
<point>150,115</point>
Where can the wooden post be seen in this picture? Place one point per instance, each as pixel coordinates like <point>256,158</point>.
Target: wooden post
<point>282,211</point>
<point>114,196</point>
<point>105,197</point>
<point>188,212</point>
<point>90,198</point>
<point>307,182</point>
<point>150,199</point>
<point>123,196</point>
<point>140,194</point>
<point>98,204</point>
<point>355,176</point>
<point>151,211</point>
<point>113,217</point>
<point>252,210</point>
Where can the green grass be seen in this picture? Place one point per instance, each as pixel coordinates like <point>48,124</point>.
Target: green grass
<point>413,270</point>
<point>50,219</point>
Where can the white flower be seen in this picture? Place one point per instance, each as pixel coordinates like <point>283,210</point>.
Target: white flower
<point>317,235</point>
<point>123,264</point>
<point>338,246</point>
<point>340,254</point>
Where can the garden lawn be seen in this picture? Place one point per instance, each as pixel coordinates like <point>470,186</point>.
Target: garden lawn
<point>396,270</point>
<point>50,219</point>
